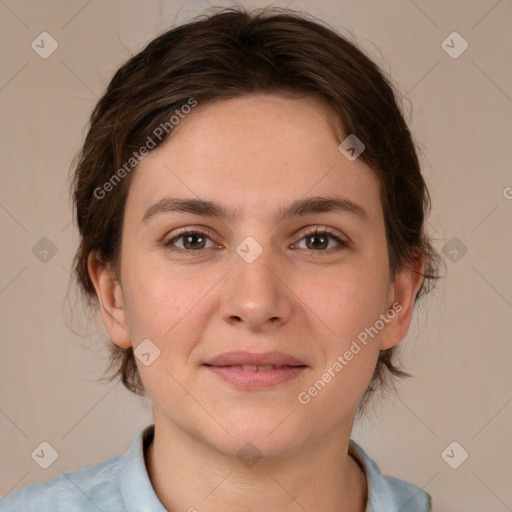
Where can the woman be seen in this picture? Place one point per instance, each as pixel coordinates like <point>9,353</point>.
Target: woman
<point>252,219</point>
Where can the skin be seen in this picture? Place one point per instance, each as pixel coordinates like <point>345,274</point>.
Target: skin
<point>254,154</point>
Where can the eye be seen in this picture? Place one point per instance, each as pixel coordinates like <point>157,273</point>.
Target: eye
<point>318,240</point>
<point>192,240</point>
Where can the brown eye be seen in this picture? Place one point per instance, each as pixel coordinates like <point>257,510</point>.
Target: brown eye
<point>190,241</point>
<point>319,241</point>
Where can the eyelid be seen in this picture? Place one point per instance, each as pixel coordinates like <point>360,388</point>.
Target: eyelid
<point>321,229</point>
<point>199,230</point>
<point>342,240</point>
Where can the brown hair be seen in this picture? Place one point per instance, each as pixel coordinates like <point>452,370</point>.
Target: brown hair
<point>228,54</point>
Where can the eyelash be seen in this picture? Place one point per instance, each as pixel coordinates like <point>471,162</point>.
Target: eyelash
<point>342,244</point>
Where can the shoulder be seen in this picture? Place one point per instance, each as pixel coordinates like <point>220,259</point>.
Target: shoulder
<point>388,494</point>
<point>409,497</point>
<point>119,484</point>
<point>83,490</point>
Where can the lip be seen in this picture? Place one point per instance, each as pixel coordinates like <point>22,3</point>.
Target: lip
<point>238,357</point>
<point>228,366</point>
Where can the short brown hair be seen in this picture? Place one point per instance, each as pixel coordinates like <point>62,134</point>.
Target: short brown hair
<point>231,53</point>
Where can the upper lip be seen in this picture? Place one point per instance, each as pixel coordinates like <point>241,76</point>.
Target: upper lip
<point>238,357</point>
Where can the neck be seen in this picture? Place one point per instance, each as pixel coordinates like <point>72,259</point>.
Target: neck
<point>189,475</point>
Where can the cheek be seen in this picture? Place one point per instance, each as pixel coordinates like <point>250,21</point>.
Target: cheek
<point>346,308</point>
<point>347,299</point>
<point>158,297</point>
<point>164,308</point>
<point>167,307</point>
<point>347,304</point>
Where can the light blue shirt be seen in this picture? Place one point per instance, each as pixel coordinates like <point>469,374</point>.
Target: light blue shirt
<point>122,484</point>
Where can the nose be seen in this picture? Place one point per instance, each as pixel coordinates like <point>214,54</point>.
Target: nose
<point>256,294</point>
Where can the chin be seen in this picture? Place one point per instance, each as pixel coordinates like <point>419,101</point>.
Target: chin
<point>263,432</point>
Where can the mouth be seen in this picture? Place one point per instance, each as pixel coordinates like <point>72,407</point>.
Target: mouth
<point>254,367</point>
<point>256,371</point>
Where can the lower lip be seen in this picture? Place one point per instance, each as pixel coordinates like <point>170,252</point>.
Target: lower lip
<point>255,379</point>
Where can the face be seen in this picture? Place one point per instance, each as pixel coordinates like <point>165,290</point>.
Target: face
<point>259,270</point>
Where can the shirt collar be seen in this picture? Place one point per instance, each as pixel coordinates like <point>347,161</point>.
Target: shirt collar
<point>382,490</point>
<point>139,495</point>
<point>133,479</point>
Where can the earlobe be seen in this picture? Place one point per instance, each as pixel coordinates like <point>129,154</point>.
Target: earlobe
<point>110,297</point>
<point>404,290</point>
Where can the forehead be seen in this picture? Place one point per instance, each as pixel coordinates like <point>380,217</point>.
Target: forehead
<point>253,152</point>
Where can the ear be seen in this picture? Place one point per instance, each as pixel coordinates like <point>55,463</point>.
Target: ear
<point>401,299</point>
<point>111,299</point>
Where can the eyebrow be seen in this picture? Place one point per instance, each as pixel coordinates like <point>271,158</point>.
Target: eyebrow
<point>300,207</point>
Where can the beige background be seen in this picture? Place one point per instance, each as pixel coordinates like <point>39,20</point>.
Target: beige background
<point>460,345</point>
